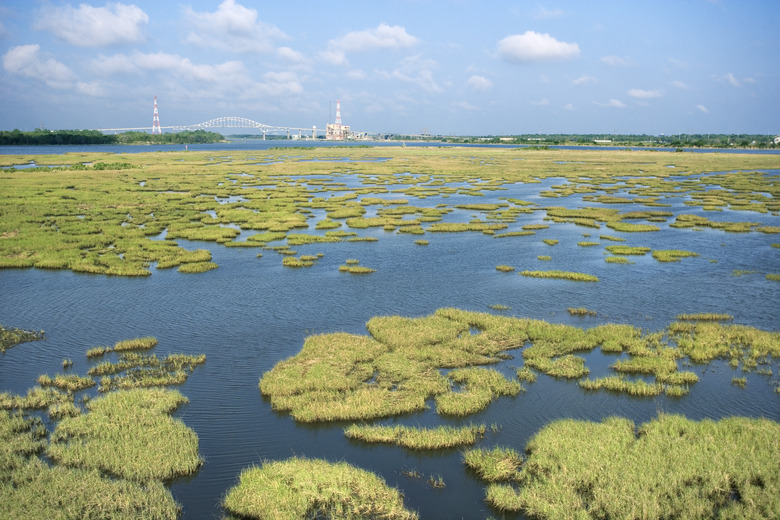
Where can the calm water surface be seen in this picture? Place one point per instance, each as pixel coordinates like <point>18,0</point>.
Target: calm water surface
<point>251,313</point>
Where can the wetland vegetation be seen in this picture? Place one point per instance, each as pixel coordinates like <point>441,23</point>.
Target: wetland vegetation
<point>110,441</point>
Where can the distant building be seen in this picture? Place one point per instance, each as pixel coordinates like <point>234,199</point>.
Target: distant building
<point>777,139</point>
<point>337,131</point>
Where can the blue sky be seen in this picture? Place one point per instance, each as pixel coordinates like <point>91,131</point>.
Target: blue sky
<point>455,67</point>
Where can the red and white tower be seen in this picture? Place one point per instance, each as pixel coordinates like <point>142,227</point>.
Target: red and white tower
<point>156,119</point>
<point>338,112</point>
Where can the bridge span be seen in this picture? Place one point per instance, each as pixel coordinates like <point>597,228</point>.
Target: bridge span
<point>227,122</point>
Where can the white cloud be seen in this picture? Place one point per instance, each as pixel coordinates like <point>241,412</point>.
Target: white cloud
<point>680,84</point>
<point>382,37</point>
<point>465,105</point>
<point>568,106</point>
<point>533,47</point>
<point>639,93</point>
<point>356,74</point>
<point>290,55</point>
<point>616,61</point>
<point>89,26</point>
<point>546,14</point>
<point>702,109</point>
<point>612,103</point>
<point>26,61</point>
<point>731,80</point>
<point>232,27</point>
<point>541,103</point>
<point>417,71</point>
<point>480,83</point>
<point>584,80</point>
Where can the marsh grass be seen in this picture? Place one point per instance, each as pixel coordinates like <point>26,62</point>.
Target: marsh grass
<point>561,275</point>
<point>544,258</point>
<point>627,250</point>
<point>495,465</point>
<point>135,344</point>
<point>30,488</point>
<point>479,387</point>
<point>128,434</point>
<point>505,268</point>
<point>197,267</point>
<point>314,488</point>
<point>670,467</point>
<point>637,387</point>
<point>70,383</point>
<point>417,438</point>
<point>11,336</point>
<point>672,255</point>
<point>581,311</point>
<point>705,316</point>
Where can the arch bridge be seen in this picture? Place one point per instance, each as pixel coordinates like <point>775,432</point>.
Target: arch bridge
<point>226,122</point>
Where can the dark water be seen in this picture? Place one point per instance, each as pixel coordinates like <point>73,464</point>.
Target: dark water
<point>252,312</point>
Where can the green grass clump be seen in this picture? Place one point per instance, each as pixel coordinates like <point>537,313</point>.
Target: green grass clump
<point>627,250</point>
<point>291,261</point>
<point>494,465</point>
<point>636,387</point>
<point>588,244</point>
<point>671,255</point>
<point>197,267</point>
<point>581,311</point>
<point>129,434</point>
<point>773,276</point>
<point>526,374</point>
<point>568,366</point>
<point>356,269</point>
<point>544,258</point>
<point>562,275</point>
<point>421,242</point>
<point>740,382</point>
<point>705,316</point>
<point>30,488</point>
<point>314,488</point>
<point>10,336</point>
<point>479,386</point>
<point>70,383</point>
<point>617,260</point>
<point>628,227</point>
<point>550,241</point>
<point>441,437</point>
<point>670,467</point>
<point>98,351</point>
<point>505,268</point>
<point>135,344</point>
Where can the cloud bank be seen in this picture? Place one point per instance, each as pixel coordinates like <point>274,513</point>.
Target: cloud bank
<point>535,47</point>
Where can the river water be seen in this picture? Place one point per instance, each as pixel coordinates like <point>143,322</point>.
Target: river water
<point>251,312</point>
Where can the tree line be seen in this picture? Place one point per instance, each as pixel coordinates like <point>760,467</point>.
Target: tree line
<point>81,137</point>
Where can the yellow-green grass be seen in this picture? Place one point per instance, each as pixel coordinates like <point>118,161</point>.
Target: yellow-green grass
<point>10,336</point>
<point>628,227</point>
<point>98,351</point>
<point>581,311</point>
<point>70,383</point>
<point>561,275</point>
<point>544,258</point>
<point>30,488</point>
<point>670,467</point>
<point>103,221</point>
<point>129,434</point>
<point>514,234</point>
<point>197,267</point>
<point>550,241</point>
<point>421,242</point>
<point>145,343</point>
<point>417,438</point>
<point>617,260</point>
<point>505,268</point>
<point>479,387</point>
<point>291,261</point>
<point>672,255</point>
<point>636,387</point>
<point>526,374</point>
<point>494,465</point>
<point>705,316</point>
<point>36,398</point>
<point>773,276</point>
<point>356,269</point>
<point>145,371</point>
<point>585,243</point>
<point>628,250</point>
<point>314,488</point>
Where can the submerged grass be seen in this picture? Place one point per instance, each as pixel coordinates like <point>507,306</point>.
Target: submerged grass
<point>314,488</point>
<point>670,467</point>
<point>11,336</point>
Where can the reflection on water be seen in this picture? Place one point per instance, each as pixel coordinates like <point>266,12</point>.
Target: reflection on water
<point>252,312</point>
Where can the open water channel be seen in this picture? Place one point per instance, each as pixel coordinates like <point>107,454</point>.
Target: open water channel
<point>252,312</point>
